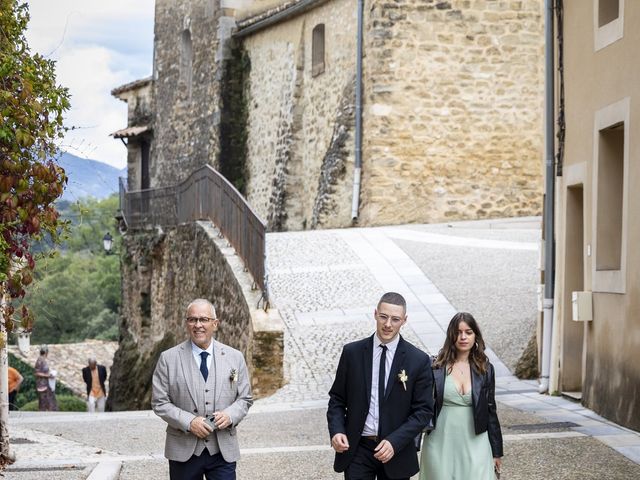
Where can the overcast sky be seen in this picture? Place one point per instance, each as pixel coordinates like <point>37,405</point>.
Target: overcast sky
<point>97,45</point>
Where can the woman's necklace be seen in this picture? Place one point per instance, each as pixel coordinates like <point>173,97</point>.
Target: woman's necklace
<point>460,370</point>
<point>460,374</point>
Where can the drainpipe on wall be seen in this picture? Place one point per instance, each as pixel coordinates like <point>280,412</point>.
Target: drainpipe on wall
<point>549,201</point>
<point>355,202</point>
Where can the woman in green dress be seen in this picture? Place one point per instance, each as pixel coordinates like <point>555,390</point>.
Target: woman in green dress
<point>466,443</point>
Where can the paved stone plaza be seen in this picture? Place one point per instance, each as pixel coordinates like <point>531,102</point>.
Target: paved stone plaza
<point>326,285</point>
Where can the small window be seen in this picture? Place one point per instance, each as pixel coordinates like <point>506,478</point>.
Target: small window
<point>186,59</point>
<point>608,11</point>
<point>610,189</point>
<point>317,50</point>
<point>608,22</point>
<point>610,197</point>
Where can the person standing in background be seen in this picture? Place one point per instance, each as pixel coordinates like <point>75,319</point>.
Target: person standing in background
<point>15,380</point>
<point>94,377</point>
<point>46,396</point>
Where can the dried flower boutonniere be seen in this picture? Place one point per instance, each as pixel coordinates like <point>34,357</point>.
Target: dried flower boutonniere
<point>402,376</point>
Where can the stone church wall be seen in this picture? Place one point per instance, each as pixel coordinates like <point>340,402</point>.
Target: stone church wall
<point>452,118</point>
<point>297,120</point>
<point>454,107</point>
<point>160,276</point>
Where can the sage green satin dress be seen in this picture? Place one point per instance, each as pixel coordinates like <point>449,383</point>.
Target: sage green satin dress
<point>453,451</point>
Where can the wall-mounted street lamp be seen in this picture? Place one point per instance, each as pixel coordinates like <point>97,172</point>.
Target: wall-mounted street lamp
<point>107,243</point>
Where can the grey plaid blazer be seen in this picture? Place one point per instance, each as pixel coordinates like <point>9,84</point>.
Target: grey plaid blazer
<point>180,394</point>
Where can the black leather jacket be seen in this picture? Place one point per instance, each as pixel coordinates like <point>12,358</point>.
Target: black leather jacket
<point>485,416</point>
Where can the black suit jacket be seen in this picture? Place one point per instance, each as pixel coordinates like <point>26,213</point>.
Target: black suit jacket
<point>404,413</point>
<point>485,416</point>
<point>102,376</point>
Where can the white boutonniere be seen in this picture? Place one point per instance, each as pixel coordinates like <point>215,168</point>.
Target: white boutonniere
<point>402,376</point>
<point>233,375</point>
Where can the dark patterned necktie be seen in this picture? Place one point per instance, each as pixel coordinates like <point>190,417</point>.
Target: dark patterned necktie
<point>203,365</point>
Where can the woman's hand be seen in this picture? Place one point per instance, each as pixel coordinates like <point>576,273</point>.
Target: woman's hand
<point>497,464</point>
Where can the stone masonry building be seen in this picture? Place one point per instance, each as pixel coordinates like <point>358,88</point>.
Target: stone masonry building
<point>265,92</point>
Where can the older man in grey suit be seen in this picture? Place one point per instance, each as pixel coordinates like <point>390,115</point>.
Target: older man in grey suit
<point>201,389</point>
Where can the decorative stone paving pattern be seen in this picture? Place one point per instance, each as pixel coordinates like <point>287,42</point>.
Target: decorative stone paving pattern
<point>305,249</point>
<point>324,290</point>
<point>326,296</point>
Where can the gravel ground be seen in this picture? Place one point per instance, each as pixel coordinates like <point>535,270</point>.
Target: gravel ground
<point>497,286</point>
<point>316,465</point>
<point>156,469</point>
<point>565,459</point>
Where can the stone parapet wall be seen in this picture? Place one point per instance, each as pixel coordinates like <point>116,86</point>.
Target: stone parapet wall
<point>453,113</point>
<point>296,118</point>
<point>161,274</point>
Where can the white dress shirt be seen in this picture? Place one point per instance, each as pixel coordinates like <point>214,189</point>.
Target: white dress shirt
<point>372,421</point>
<point>196,350</point>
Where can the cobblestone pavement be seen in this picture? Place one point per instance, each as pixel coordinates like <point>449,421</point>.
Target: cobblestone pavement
<point>326,285</point>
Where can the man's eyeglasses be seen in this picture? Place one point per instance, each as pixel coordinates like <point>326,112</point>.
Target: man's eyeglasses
<point>202,320</point>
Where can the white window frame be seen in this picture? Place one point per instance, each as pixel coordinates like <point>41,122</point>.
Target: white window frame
<point>610,32</point>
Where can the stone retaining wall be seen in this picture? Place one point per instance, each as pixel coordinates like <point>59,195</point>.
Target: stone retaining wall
<point>161,274</point>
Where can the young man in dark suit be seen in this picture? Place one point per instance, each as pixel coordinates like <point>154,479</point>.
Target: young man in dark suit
<point>381,400</point>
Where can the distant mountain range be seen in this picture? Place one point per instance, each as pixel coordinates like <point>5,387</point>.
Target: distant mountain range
<point>89,178</point>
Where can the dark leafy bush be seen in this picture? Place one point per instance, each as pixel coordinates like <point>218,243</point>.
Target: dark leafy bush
<point>66,403</point>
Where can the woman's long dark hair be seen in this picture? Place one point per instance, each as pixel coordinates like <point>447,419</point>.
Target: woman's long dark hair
<point>447,356</point>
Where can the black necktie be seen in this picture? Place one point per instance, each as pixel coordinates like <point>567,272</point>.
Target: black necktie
<point>203,365</point>
<point>381,378</point>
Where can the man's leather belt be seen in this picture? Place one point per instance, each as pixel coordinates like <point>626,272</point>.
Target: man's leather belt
<point>373,438</point>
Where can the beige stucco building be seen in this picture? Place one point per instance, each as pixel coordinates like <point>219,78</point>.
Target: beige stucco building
<point>598,211</point>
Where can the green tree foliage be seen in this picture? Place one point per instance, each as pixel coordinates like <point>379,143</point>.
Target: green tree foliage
<point>32,107</point>
<point>89,219</point>
<point>77,298</point>
<point>76,294</point>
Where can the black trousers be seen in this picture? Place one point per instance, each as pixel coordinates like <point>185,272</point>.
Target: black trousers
<point>213,467</point>
<point>12,400</point>
<point>364,466</point>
